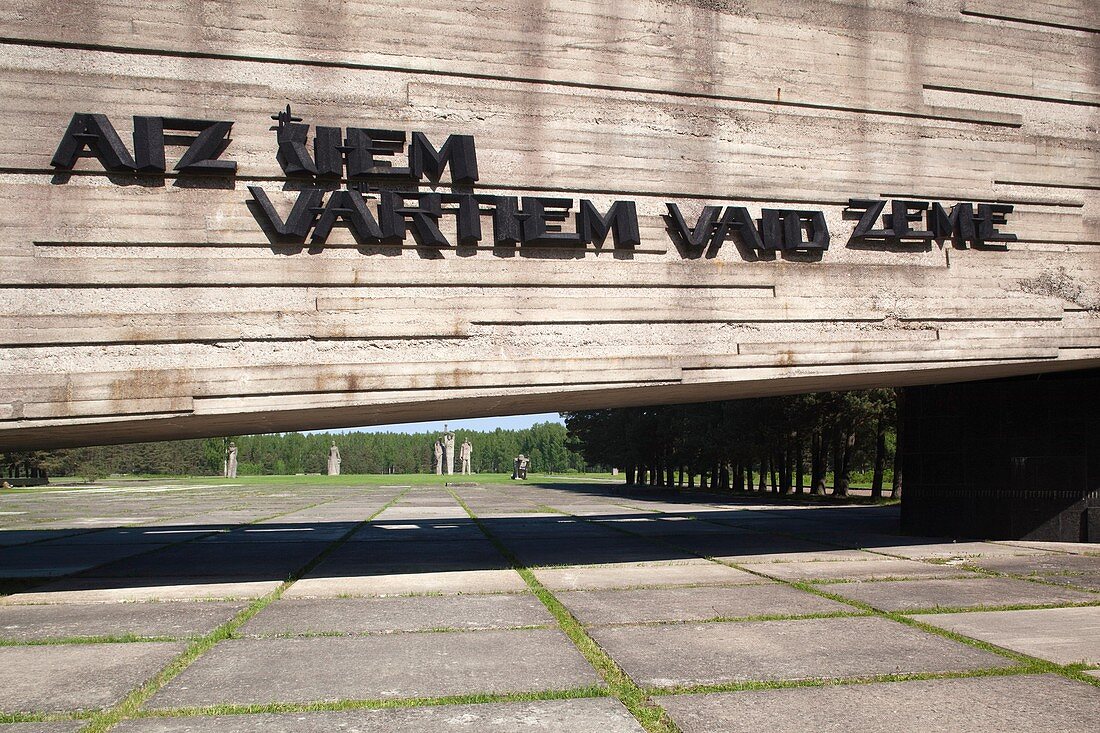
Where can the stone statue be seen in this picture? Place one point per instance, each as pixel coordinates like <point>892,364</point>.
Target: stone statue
<point>519,467</point>
<point>448,440</point>
<point>437,447</point>
<point>464,454</point>
<point>231,462</point>
<point>334,460</point>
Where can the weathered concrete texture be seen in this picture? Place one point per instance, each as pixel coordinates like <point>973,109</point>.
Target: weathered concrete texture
<point>1061,635</point>
<point>856,570</point>
<point>600,714</point>
<point>665,656</point>
<point>1037,704</point>
<point>77,677</point>
<point>958,593</point>
<point>1047,564</point>
<point>50,561</point>
<point>230,561</point>
<point>70,726</point>
<point>418,613</point>
<point>700,572</point>
<point>114,590</point>
<point>468,581</point>
<point>462,332</point>
<point>949,550</point>
<point>248,671</point>
<point>693,604</point>
<point>55,621</point>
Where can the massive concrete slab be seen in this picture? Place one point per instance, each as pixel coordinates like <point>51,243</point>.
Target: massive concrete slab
<point>600,714</point>
<point>627,575</point>
<point>259,671</point>
<point>1061,635</point>
<point>111,335</point>
<point>77,677</point>
<point>693,603</point>
<point>1039,703</point>
<point>57,621</point>
<point>700,654</point>
<point>959,593</point>
<point>418,613</point>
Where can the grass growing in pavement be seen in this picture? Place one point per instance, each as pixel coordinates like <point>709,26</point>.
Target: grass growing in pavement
<point>376,704</point>
<point>1026,664</point>
<point>130,705</point>
<point>650,715</point>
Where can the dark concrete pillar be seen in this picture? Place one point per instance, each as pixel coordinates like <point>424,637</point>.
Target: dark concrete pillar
<point>1004,459</point>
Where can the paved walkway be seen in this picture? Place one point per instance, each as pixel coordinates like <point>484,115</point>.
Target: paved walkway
<point>184,606</point>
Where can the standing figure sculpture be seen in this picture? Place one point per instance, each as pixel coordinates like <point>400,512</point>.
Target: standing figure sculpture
<point>437,448</point>
<point>334,460</point>
<point>231,461</point>
<point>519,467</point>
<point>448,451</point>
<point>465,452</point>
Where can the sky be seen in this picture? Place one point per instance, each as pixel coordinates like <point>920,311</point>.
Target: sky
<point>509,422</point>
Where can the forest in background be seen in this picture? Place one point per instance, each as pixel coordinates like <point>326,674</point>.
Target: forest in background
<point>784,444</point>
<point>295,453</point>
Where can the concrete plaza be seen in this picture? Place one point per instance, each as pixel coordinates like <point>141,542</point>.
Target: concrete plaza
<point>346,604</point>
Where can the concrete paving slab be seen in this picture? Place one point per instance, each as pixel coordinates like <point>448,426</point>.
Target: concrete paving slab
<point>246,561</point>
<point>53,561</point>
<point>418,613</point>
<point>71,677</point>
<point>257,671</point>
<point>448,582</point>
<point>595,714</point>
<point>115,590</point>
<point>68,726</point>
<point>1033,703</point>
<point>693,604</point>
<point>1047,564</point>
<point>958,593</point>
<point>758,558</point>
<point>1076,548</point>
<point>58,621</point>
<point>1059,635</point>
<point>433,530</point>
<point>379,558</point>
<point>697,654</point>
<point>855,570</point>
<point>631,575</point>
<point>1087,581</point>
<point>747,546</point>
<point>948,550</point>
<point>593,551</point>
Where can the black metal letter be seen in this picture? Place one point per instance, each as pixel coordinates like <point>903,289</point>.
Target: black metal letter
<point>97,135</point>
<point>457,151</point>
<point>621,220</point>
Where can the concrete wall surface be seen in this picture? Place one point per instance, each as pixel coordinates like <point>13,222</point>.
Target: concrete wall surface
<point>148,305</point>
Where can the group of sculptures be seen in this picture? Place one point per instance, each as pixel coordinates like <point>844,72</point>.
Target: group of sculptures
<point>443,449</point>
<point>444,454</point>
<point>229,465</point>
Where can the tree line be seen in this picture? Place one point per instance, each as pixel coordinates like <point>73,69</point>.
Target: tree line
<point>546,444</point>
<point>798,443</point>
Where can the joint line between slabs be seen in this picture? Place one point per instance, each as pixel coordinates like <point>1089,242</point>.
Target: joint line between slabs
<point>1027,663</point>
<point>651,716</point>
<point>129,706</point>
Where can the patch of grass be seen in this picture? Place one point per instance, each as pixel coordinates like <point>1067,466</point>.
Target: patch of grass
<point>738,619</point>
<point>834,681</point>
<point>130,705</point>
<point>101,639</point>
<point>650,715</point>
<point>999,607</point>
<point>375,704</point>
